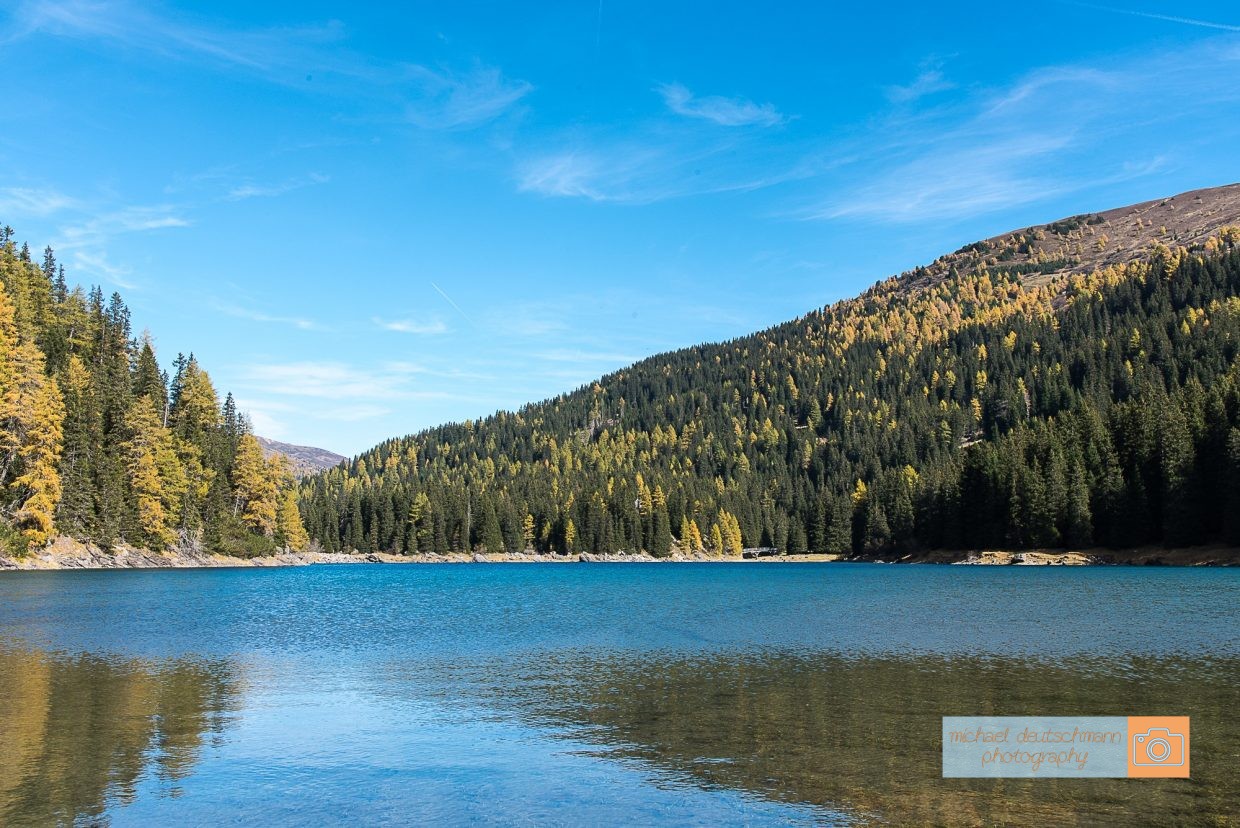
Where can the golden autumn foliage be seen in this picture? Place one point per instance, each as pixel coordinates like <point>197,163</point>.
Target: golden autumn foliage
<point>98,442</point>
<point>31,417</point>
<point>155,474</point>
<point>256,487</point>
<point>290,533</point>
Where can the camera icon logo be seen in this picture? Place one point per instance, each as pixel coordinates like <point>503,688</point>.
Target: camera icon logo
<point>1158,746</point>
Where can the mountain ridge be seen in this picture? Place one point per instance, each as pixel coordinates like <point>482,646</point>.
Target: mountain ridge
<point>833,431</point>
<point>1074,241</point>
<point>303,460</point>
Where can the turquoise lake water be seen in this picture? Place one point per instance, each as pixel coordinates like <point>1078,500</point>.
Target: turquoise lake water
<point>571,694</point>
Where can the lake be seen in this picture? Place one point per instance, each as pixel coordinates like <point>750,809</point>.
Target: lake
<point>699,694</point>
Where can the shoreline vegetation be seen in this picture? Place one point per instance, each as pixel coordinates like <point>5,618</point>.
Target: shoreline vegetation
<point>66,554</point>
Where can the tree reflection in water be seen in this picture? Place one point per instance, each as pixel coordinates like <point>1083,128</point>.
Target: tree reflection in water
<point>77,734</point>
<point>862,735</point>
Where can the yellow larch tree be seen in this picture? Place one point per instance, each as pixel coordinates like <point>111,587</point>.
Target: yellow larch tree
<point>255,487</point>
<point>290,532</point>
<point>31,420</point>
<point>155,475</point>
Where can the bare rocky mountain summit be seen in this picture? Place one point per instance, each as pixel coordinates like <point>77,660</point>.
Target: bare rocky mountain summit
<point>304,459</point>
<point>1090,241</point>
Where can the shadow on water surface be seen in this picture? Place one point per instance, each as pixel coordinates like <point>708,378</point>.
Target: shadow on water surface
<point>78,733</point>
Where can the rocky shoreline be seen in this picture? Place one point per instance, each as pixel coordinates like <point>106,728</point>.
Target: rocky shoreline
<point>65,554</point>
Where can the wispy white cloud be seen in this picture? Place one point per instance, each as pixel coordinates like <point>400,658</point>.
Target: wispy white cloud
<point>581,174</point>
<point>311,400</point>
<point>96,263</point>
<point>85,238</point>
<point>250,189</point>
<point>1030,141</point>
<point>731,112</point>
<point>17,203</point>
<point>97,229</point>
<point>312,59</point>
<point>667,157</point>
<point>632,172</point>
<point>336,381</point>
<point>947,184</point>
<point>983,150</point>
<point>1067,83</point>
<point>455,101</point>
<point>427,327</point>
<point>929,81</point>
<point>255,315</point>
<point>271,418</point>
<point>133,27</point>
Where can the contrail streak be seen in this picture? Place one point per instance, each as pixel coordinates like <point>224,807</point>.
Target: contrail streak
<point>448,299</point>
<point>1170,18</point>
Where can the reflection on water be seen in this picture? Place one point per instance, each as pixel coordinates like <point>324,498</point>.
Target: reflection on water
<point>571,695</point>
<point>863,735</point>
<point>78,733</point>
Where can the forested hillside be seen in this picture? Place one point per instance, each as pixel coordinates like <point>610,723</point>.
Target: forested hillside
<point>1070,385</point>
<point>99,443</point>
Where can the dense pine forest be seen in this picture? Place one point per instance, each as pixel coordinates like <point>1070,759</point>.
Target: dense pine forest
<point>1056,387</point>
<point>99,443</point>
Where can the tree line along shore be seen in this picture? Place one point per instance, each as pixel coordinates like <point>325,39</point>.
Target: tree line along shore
<point>1046,391</point>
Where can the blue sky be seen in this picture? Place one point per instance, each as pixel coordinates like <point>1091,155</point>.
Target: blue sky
<point>365,221</point>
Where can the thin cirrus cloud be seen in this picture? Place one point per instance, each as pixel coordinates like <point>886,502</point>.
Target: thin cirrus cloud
<point>335,381</point>
<point>86,240</point>
<point>982,178</point>
<point>610,175</point>
<point>85,230</point>
<point>270,417</point>
<point>101,227</point>
<point>929,81</point>
<point>731,112</point>
<point>428,327</point>
<point>662,158</point>
<point>726,112</point>
<point>1029,141</point>
<point>435,99</point>
<point>98,264</point>
<point>249,189</point>
<point>139,29</point>
<point>446,100</point>
<point>668,166</point>
<point>26,201</point>
<point>337,391</point>
<point>987,150</point>
<point>254,315</point>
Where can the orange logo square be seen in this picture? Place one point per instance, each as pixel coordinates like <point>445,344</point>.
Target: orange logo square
<point>1158,746</point>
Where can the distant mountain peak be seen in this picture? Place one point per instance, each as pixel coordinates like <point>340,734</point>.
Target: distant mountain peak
<point>304,459</point>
